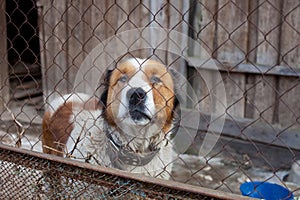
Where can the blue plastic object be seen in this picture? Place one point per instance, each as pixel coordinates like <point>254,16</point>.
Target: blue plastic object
<point>265,190</point>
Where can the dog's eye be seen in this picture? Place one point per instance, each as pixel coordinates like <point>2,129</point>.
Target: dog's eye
<point>155,79</point>
<point>123,78</point>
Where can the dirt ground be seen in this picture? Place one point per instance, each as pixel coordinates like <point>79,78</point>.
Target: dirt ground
<point>218,172</point>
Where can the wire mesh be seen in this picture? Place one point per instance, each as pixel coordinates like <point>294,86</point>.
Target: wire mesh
<point>30,175</point>
<point>254,44</point>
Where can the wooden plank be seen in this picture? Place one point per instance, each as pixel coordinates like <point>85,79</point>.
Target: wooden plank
<point>159,18</point>
<point>97,22</point>
<point>288,100</point>
<point>265,102</point>
<point>269,21</point>
<point>178,15</point>
<point>177,42</point>
<point>248,68</point>
<point>232,31</point>
<point>89,21</point>
<point>234,88</point>
<point>145,14</point>
<point>80,42</point>
<point>43,53</point>
<point>4,77</point>
<point>250,96</point>
<point>76,30</point>
<point>28,93</point>
<point>54,48</point>
<point>121,17</point>
<point>117,16</point>
<point>204,28</point>
<point>91,18</point>
<point>260,97</point>
<point>246,129</point>
<point>252,32</point>
<point>201,80</point>
<point>234,84</point>
<point>263,43</point>
<point>130,19</point>
<point>290,36</point>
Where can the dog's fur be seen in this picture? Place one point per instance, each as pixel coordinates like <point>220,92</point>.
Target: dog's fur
<point>132,121</point>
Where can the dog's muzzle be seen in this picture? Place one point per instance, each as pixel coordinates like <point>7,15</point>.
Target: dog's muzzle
<point>137,104</point>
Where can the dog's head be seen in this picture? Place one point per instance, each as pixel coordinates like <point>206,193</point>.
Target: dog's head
<point>140,94</point>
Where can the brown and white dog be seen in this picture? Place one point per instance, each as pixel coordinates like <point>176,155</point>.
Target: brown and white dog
<point>129,128</point>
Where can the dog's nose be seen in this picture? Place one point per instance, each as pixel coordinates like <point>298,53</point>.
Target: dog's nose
<point>136,96</point>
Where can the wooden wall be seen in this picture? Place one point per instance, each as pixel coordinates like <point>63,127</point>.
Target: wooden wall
<point>71,29</point>
<point>255,43</point>
<point>256,46</point>
<point>4,78</point>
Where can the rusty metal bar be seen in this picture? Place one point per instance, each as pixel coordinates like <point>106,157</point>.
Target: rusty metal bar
<point>90,173</point>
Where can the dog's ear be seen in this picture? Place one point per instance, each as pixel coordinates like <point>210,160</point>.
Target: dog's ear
<point>103,98</point>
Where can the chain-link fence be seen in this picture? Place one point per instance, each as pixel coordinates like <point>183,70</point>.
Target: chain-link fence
<point>234,67</point>
<point>29,175</point>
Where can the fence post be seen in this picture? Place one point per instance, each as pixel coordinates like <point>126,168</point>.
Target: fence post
<point>4,78</point>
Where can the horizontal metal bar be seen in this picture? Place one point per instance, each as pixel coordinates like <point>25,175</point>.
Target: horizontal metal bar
<point>176,186</point>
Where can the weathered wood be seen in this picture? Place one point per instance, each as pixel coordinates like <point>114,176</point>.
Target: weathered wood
<point>130,19</point>
<point>53,33</point>
<point>97,23</point>
<point>252,32</point>
<point>290,37</point>
<point>201,80</point>
<point>250,96</point>
<point>144,16</point>
<point>76,29</point>
<point>159,18</point>
<point>27,93</point>
<point>246,129</point>
<point>249,68</point>
<point>43,52</point>
<point>234,88</point>
<point>234,85</point>
<point>288,102</point>
<point>260,99</point>
<point>4,77</point>
<point>232,31</point>
<point>178,15</point>
<point>30,84</point>
<point>122,18</point>
<point>268,30</point>
<point>89,21</point>
<point>23,69</point>
<point>202,91</point>
<point>204,28</point>
<point>264,32</point>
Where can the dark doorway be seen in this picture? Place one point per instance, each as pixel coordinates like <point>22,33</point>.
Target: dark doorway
<point>23,49</point>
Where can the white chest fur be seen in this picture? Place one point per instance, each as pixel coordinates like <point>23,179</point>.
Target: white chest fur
<point>88,143</point>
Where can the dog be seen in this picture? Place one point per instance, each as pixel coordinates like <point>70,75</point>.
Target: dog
<point>129,127</point>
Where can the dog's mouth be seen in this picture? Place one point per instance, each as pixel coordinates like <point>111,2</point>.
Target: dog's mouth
<point>138,115</point>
